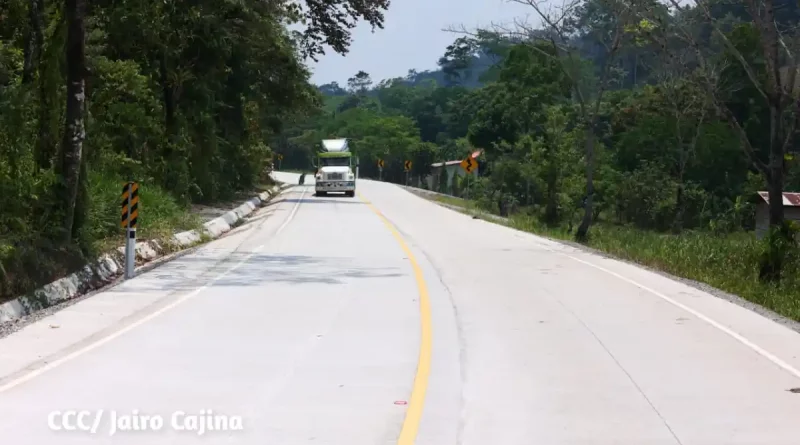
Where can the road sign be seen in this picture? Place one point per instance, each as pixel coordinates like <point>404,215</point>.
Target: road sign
<point>381,163</point>
<point>128,220</point>
<point>469,164</point>
<point>130,205</point>
<point>280,157</point>
<point>407,166</point>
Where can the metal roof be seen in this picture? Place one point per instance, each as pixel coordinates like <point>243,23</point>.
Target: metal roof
<point>439,164</point>
<point>790,199</point>
<point>474,155</point>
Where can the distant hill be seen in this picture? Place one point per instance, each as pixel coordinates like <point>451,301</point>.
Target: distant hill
<point>474,77</point>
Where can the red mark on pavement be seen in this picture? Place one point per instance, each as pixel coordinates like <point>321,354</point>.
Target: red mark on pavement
<point>401,402</point>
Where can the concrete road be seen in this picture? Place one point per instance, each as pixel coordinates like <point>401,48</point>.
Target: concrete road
<point>387,319</point>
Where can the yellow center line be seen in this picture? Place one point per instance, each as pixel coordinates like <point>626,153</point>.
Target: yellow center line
<point>408,433</point>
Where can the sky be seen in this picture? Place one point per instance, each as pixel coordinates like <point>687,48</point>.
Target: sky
<point>412,38</point>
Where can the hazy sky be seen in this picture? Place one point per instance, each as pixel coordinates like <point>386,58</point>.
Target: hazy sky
<point>412,37</point>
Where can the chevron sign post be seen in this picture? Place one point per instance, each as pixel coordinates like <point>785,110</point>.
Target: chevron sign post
<point>469,165</point>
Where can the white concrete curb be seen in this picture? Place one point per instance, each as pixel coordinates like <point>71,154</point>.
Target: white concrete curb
<point>427,194</point>
<point>111,265</point>
<point>419,191</point>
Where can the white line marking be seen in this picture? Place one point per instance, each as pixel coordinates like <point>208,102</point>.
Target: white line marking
<point>39,371</point>
<point>294,212</point>
<point>741,339</point>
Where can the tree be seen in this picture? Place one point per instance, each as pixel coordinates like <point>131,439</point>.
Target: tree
<point>332,89</point>
<point>328,22</point>
<point>457,60</point>
<point>74,133</point>
<point>34,40</point>
<point>609,33</point>
<point>555,157</point>
<point>359,83</point>
<point>181,97</point>
<point>759,50</point>
<point>687,110</point>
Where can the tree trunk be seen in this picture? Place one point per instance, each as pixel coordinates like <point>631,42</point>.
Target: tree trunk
<point>34,40</point>
<point>780,237</point>
<point>551,207</point>
<point>50,81</point>
<point>34,61</point>
<point>776,216</point>
<point>583,229</point>
<point>176,174</point>
<point>74,134</point>
<point>776,163</point>
<point>82,202</point>
<point>677,225</point>
<point>168,96</point>
<point>45,146</point>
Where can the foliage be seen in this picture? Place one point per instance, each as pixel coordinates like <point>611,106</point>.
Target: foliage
<point>183,98</point>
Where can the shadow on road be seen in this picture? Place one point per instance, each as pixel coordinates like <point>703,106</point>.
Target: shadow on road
<point>260,269</point>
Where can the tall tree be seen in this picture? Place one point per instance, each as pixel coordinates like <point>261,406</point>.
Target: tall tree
<point>457,60</point>
<point>359,83</point>
<point>74,134</point>
<point>765,55</point>
<point>588,84</point>
<point>34,41</point>
<point>328,22</point>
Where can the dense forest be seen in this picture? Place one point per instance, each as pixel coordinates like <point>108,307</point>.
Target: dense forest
<point>657,120</point>
<point>179,96</point>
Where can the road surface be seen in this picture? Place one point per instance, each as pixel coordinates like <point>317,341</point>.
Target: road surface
<point>387,319</point>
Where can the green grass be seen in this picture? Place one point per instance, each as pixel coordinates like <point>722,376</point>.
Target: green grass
<point>452,200</point>
<point>726,262</point>
<point>159,214</point>
<point>35,263</point>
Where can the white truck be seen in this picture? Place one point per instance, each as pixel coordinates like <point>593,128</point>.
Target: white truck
<point>334,168</point>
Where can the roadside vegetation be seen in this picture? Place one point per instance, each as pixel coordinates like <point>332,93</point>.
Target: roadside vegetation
<point>642,129</point>
<point>179,97</point>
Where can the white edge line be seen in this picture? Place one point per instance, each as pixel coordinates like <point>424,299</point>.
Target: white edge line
<point>738,337</point>
<point>39,371</point>
<point>294,212</point>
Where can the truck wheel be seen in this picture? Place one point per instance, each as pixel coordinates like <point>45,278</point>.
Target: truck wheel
<point>350,194</point>
<point>322,193</point>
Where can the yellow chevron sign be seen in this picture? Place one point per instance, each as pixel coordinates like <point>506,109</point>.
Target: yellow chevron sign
<point>469,164</point>
<point>130,205</point>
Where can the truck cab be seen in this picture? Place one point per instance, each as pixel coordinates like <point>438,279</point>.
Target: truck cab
<point>335,169</point>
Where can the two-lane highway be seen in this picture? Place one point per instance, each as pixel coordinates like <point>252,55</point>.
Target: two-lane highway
<point>387,319</point>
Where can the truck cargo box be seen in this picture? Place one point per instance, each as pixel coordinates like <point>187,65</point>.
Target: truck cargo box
<point>335,145</point>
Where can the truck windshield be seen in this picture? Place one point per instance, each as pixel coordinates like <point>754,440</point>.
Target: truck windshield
<point>335,162</point>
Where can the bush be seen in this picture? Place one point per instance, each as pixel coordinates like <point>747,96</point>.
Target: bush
<point>159,212</point>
